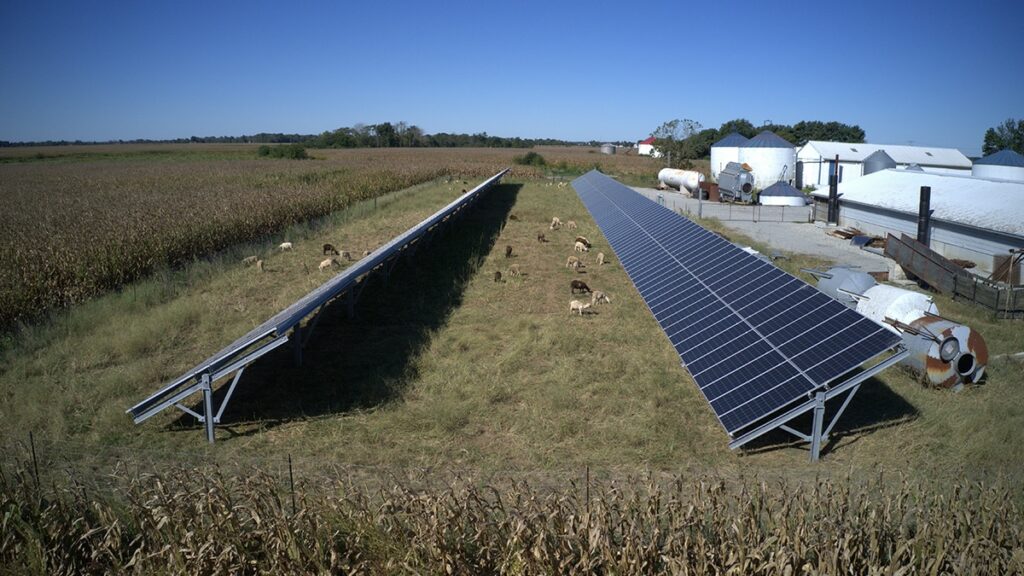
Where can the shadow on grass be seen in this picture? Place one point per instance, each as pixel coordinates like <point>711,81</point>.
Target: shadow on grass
<point>364,362</point>
<point>875,407</point>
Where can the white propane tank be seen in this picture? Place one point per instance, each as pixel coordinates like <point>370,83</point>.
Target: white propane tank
<point>682,180</point>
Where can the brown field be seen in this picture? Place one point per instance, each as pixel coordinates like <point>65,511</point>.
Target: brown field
<point>82,220</point>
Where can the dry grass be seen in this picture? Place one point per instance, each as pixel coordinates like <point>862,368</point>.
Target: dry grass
<point>195,521</point>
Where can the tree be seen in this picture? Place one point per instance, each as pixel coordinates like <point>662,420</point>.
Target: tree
<point>670,139</point>
<point>741,125</point>
<point>1008,135</point>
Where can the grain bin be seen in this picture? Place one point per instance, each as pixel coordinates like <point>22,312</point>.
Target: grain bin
<point>608,149</point>
<point>878,161</point>
<point>770,158</point>
<point>1003,165</point>
<point>724,151</point>
<point>781,194</point>
<point>682,180</point>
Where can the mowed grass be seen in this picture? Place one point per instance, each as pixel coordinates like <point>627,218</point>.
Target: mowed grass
<point>444,368</point>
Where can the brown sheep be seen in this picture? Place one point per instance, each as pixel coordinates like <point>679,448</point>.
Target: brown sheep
<point>330,249</point>
<point>541,237</point>
<point>508,251</point>
<point>497,276</point>
<point>579,285</point>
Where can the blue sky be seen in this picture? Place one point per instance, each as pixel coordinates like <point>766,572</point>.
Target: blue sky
<point>934,73</point>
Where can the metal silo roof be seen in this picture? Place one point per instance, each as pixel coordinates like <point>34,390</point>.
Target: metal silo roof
<point>781,189</point>
<point>766,139</point>
<point>1003,158</point>
<point>732,140</point>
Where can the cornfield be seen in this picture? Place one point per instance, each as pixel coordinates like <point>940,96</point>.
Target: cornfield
<point>202,522</point>
<point>74,229</point>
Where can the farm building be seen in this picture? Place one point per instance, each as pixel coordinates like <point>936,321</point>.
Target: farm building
<point>724,151</point>
<point>815,160</point>
<point>975,219</point>
<point>646,148</point>
<point>1003,165</point>
<point>771,158</point>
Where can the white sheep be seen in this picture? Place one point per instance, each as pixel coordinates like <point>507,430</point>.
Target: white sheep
<point>598,296</point>
<point>513,271</point>
<point>572,262</point>
<point>555,222</point>
<point>600,258</point>
<point>577,306</point>
<point>249,260</point>
<point>285,246</point>
<point>327,264</point>
<point>571,224</point>
<point>259,265</point>
<point>580,247</point>
<point>366,253</point>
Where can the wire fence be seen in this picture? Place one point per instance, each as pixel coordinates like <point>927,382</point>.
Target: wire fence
<point>727,211</point>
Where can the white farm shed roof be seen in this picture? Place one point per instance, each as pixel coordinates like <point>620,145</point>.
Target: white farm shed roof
<point>987,204</point>
<point>849,152</point>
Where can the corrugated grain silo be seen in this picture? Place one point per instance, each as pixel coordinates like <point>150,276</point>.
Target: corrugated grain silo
<point>771,158</point>
<point>1003,165</point>
<point>724,151</point>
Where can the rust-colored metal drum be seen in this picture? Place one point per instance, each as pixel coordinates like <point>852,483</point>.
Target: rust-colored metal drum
<point>946,354</point>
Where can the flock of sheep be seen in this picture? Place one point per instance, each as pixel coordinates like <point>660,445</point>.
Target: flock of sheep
<point>581,246</point>
<point>334,257</point>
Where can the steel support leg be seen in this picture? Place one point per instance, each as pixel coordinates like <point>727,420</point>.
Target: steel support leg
<point>208,416</point>
<point>819,419</point>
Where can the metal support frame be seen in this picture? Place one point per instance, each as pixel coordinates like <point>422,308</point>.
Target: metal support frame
<point>819,433</point>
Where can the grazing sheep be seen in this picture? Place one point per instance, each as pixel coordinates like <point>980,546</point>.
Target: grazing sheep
<point>513,271</point>
<point>541,237</point>
<point>572,262</point>
<point>259,265</point>
<point>580,247</point>
<point>366,253</point>
<point>577,306</point>
<point>249,260</point>
<point>571,224</point>
<point>327,264</point>
<point>508,251</point>
<point>285,246</point>
<point>597,297</point>
<point>555,223</point>
<point>579,285</point>
<point>497,276</point>
<point>600,258</point>
<point>513,217</point>
<point>584,240</point>
<point>330,249</point>
<point>346,255</point>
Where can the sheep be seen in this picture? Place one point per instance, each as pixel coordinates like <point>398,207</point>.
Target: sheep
<point>259,265</point>
<point>541,237</point>
<point>513,217</point>
<point>497,276</point>
<point>572,262</point>
<point>330,249</point>
<point>346,255</point>
<point>579,285</point>
<point>327,263</point>
<point>508,251</point>
<point>366,253</point>
<point>283,246</point>
<point>249,260</point>
<point>584,240</point>
<point>513,271</point>
<point>577,306</point>
<point>600,258</point>
<point>580,247</point>
<point>598,296</point>
<point>571,224</point>
<point>555,223</point>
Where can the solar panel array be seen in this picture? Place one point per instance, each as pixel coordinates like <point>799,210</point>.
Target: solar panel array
<point>755,338</point>
<point>278,326</point>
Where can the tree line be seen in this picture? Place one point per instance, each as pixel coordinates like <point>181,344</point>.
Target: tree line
<point>1007,136</point>
<point>687,139</point>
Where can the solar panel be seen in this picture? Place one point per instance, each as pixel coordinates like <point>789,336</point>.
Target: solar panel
<point>754,338</point>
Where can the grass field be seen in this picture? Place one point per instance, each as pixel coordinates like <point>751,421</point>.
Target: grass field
<point>82,220</point>
<point>446,387</point>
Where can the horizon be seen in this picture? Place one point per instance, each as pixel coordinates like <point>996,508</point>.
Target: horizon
<point>571,71</point>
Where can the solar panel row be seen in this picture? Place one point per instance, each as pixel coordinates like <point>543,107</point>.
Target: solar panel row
<point>754,338</point>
